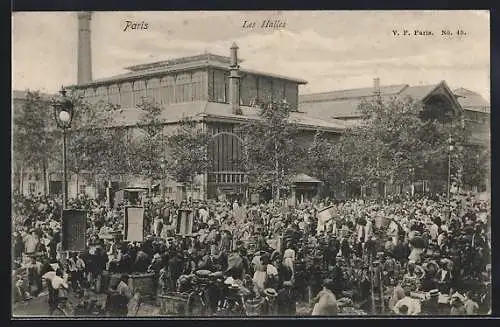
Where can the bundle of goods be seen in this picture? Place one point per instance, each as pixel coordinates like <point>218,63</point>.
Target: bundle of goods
<point>173,304</point>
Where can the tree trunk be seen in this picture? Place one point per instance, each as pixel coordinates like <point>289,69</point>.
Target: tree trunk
<point>21,178</point>
<point>44,172</point>
<point>108,194</point>
<point>77,188</point>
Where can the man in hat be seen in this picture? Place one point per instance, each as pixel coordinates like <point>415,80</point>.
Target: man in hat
<point>457,305</point>
<point>142,261</point>
<point>286,300</point>
<point>31,241</point>
<point>430,306</point>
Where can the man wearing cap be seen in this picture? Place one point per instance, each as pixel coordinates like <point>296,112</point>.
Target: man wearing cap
<point>286,301</point>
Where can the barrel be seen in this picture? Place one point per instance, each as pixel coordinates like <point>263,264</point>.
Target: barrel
<point>144,284</point>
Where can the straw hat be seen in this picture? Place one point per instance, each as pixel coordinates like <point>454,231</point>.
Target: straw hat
<point>270,292</point>
<point>434,293</point>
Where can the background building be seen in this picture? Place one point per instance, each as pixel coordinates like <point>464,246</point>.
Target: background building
<point>460,107</point>
<point>220,95</point>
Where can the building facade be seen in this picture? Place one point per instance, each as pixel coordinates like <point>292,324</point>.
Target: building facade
<point>213,90</point>
<point>219,94</point>
<point>459,107</point>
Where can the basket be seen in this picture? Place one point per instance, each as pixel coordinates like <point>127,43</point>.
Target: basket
<point>142,283</point>
<point>173,304</point>
<point>254,307</point>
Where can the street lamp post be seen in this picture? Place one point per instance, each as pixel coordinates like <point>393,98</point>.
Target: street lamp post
<point>450,149</point>
<point>63,115</point>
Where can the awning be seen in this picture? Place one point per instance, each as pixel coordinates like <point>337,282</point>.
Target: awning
<point>303,178</point>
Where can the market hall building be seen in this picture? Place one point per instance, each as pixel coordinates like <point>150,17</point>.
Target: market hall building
<point>216,92</point>
<point>220,94</point>
<point>210,88</point>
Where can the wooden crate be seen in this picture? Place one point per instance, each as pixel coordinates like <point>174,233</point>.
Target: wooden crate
<point>173,304</point>
<point>144,284</point>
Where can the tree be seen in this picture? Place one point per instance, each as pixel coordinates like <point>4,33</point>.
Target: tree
<point>149,149</point>
<point>394,143</point>
<point>187,150</point>
<point>95,145</point>
<point>272,150</point>
<point>323,160</point>
<point>34,140</point>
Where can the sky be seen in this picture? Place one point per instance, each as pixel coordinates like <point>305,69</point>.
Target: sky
<point>331,50</point>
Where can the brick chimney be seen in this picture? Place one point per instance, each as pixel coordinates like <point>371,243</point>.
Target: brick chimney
<point>84,49</point>
<point>234,81</point>
<point>376,86</point>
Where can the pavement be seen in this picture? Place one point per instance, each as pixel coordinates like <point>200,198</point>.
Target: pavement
<point>38,307</point>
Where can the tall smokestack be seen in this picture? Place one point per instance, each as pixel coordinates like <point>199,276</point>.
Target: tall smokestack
<point>234,81</point>
<point>84,49</point>
<point>376,86</point>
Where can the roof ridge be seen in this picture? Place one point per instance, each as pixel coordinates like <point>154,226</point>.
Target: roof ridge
<point>353,89</point>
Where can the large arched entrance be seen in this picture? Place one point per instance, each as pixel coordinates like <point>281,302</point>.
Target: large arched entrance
<point>226,179</point>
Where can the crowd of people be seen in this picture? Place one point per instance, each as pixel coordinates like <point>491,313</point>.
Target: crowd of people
<point>399,256</point>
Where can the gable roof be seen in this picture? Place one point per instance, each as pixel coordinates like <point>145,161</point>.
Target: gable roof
<point>344,103</point>
<point>418,92</point>
<point>351,93</point>
<point>470,100</point>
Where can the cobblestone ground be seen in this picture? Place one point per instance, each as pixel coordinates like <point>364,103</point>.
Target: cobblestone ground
<point>38,307</point>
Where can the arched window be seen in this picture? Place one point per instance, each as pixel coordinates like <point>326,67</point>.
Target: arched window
<point>225,152</point>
